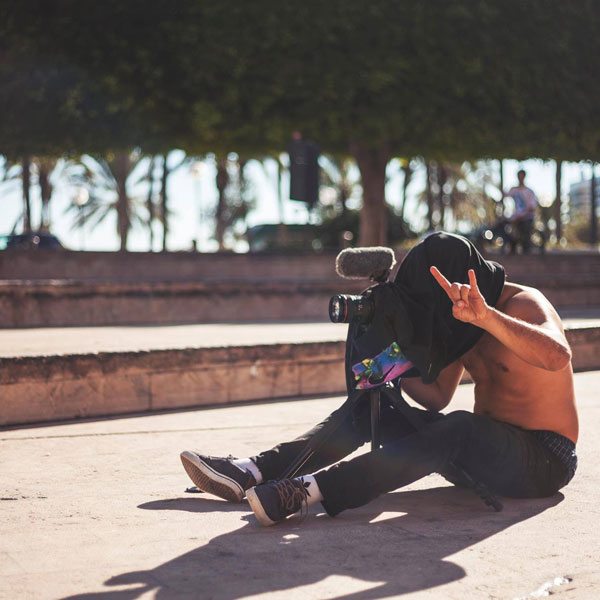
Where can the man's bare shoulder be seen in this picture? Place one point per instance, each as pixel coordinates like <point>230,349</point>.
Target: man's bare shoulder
<point>530,305</point>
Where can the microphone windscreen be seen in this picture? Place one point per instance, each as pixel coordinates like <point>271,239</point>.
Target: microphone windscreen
<point>364,263</point>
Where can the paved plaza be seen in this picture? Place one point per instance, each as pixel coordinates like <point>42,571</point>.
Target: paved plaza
<point>55,341</point>
<point>98,509</point>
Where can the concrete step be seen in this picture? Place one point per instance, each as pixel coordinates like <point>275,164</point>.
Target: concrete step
<point>95,303</point>
<point>63,289</point>
<point>53,374</point>
<point>189,267</point>
<point>67,303</point>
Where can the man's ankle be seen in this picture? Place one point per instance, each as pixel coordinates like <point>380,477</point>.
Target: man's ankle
<point>248,464</point>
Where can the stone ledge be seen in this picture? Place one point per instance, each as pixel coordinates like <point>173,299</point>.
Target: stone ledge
<point>188,266</point>
<point>62,288</point>
<point>50,388</point>
<point>38,389</point>
<point>68,303</point>
<point>79,303</point>
<point>73,366</point>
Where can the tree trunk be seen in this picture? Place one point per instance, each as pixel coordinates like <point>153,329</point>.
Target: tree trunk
<point>45,194</point>
<point>558,202</point>
<point>279,191</point>
<point>501,185</point>
<point>407,177</point>
<point>222,182</point>
<point>164,198</point>
<point>441,180</point>
<point>26,182</point>
<point>243,179</point>
<point>150,202</point>
<point>343,198</point>
<point>372,163</point>
<point>429,195</point>
<point>122,168</point>
<point>344,186</point>
<point>593,218</point>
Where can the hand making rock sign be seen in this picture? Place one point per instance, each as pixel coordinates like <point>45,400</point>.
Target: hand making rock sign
<point>468,303</point>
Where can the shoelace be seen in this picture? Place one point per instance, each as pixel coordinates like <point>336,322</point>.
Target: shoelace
<point>293,496</point>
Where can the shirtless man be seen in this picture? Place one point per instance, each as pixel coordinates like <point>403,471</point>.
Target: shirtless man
<point>519,441</point>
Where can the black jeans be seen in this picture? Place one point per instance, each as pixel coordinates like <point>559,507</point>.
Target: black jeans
<point>524,229</point>
<point>506,458</point>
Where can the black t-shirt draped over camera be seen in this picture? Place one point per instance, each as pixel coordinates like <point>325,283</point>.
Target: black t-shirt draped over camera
<point>416,312</point>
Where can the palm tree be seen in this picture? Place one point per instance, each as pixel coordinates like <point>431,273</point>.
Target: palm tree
<point>460,190</point>
<point>45,166</point>
<point>164,196</point>
<point>222,182</point>
<point>408,167</point>
<point>150,204</point>
<point>265,162</point>
<point>111,182</point>
<point>342,175</point>
<point>10,182</point>
<point>235,198</point>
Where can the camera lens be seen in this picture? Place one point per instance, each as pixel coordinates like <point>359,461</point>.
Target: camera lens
<point>344,308</point>
<point>337,309</point>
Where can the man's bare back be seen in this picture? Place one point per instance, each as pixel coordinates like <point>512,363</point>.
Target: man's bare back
<point>512,390</point>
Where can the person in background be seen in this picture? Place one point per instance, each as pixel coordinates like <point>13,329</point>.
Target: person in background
<point>523,218</point>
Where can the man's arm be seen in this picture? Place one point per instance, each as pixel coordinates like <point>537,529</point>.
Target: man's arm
<point>530,330</point>
<point>436,395</point>
<point>530,327</point>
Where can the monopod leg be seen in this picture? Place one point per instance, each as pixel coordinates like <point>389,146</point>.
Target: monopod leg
<point>317,441</point>
<point>375,397</point>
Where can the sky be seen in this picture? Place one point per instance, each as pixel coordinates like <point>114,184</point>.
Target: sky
<point>192,198</point>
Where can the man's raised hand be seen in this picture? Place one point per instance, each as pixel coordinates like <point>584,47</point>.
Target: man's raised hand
<point>468,304</point>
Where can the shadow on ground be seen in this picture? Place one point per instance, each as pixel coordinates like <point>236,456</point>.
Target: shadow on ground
<point>395,555</point>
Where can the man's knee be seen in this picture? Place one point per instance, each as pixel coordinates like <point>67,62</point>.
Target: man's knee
<point>460,417</point>
<point>455,426</point>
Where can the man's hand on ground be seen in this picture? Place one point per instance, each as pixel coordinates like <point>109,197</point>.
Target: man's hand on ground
<point>468,304</point>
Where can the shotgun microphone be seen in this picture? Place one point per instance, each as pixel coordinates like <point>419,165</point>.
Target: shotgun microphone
<point>373,263</point>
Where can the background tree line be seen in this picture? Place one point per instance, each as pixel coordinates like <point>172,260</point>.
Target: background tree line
<point>449,82</point>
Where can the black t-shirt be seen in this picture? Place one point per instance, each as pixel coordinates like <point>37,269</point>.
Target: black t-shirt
<point>416,312</point>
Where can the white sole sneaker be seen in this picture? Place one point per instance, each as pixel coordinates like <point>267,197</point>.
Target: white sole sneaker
<point>208,480</point>
<point>257,508</point>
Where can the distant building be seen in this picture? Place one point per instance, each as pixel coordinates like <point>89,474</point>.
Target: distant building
<point>580,197</point>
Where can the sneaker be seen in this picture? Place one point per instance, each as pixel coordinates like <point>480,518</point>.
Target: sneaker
<point>275,501</point>
<point>217,476</point>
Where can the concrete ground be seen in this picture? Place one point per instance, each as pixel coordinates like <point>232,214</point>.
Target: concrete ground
<point>54,341</point>
<point>98,509</point>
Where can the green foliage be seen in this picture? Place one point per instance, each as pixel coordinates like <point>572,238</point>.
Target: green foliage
<point>448,80</point>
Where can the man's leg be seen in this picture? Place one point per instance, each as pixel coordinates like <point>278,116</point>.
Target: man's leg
<point>229,478</point>
<point>507,459</point>
<point>353,431</point>
<point>525,232</point>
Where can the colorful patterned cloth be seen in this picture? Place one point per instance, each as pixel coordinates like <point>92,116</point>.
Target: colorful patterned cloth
<point>386,366</point>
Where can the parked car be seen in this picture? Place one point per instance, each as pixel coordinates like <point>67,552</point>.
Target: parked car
<point>41,240</point>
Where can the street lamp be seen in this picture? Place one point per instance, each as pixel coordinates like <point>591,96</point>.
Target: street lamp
<point>81,198</point>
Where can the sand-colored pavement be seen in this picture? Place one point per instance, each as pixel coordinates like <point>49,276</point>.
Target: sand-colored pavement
<point>89,340</point>
<point>57,341</point>
<point>98,510</point>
